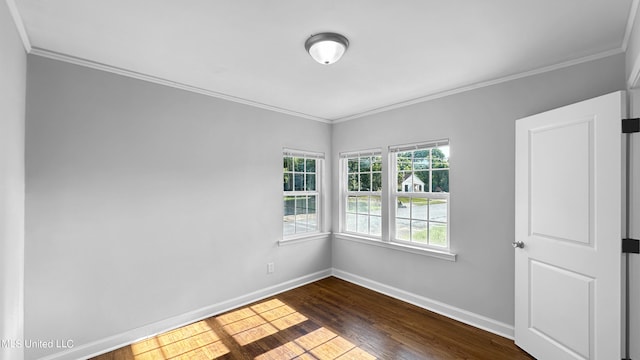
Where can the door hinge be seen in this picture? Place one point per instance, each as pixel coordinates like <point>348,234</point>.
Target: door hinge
<point>630,246</point>
<point>630,125</point>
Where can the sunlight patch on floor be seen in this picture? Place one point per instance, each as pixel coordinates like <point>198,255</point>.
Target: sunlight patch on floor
<point>192,342</point>
<point>321,344</point>
<point>199,341</point>
<point>253,323</point>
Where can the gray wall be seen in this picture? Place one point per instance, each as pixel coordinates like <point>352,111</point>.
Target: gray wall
<point>480,125</point>
<point>13,74</point>
<point>138,195</point>
<point>145,202</point>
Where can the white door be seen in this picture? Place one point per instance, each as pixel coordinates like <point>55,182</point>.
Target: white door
<point>568,219</point>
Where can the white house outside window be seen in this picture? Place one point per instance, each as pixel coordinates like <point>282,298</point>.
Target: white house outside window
<point>301,192</point>
<point>420,197</point>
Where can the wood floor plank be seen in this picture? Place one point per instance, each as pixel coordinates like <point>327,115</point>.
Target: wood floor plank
<point>328,319</point>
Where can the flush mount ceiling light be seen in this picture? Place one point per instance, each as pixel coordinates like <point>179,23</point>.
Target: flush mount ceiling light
<point>326,48</point>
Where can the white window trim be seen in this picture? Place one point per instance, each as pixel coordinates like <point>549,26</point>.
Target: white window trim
<point>419,250</point>
<point>345,193</point>
<point>300,238</point>
<point>316,234</point>
<point>418,146</point>
<point>388,212</point>
<point>394,194</point>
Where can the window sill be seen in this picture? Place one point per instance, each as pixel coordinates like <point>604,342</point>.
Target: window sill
<point>444,255</point>
<point>303,238</point>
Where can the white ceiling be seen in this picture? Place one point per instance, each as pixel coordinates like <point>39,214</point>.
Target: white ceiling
<point>252,51</point>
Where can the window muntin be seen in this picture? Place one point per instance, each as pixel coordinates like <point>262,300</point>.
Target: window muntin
<point>421,194</point>
<point>362,193</point>
<point>301,195</point>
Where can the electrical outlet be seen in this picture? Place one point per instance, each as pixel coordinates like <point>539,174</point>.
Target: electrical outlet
<point>271,267</point>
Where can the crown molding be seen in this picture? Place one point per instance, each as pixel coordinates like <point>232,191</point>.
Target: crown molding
<point>158,80</point>
<point>483,84</point>
<point>17,20</point>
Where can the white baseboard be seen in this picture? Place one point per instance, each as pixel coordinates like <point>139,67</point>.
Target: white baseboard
<point>117,341</point>
<point>467,317</point>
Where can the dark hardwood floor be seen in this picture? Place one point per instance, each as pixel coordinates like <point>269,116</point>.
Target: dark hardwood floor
<point>328,319</point>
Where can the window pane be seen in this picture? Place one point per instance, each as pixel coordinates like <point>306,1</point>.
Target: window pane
<point>403,161</point>
<point>353,182</point>
<point>311,165</point>
<point>289,206</point>
<point>311,182</point>
<point>301,205</point>
<point>288,163</point>
<point>440,181</point>
<point>312,219</point>
<point>352,204</point>
<point>403,231</point>
<point>421,181</point>
<point>376,182</point>
<point>375,225</point>
<point>421,160</point>
<point>353,165</point>
<point>365,164</point>
<point>289,226</point>
<point>419,208</point>
<point>365,182</point>
<point>375,205</point>
<point>403,209</point>
<point>301,223</point>
<point>299,182</point>
<point>376,163</point>
<point>419,231</point>
<point>311,204</point>
<point>288,181</point>
<point>301,214</point>
<point>438,210</point>
<point>363,224</point>
<point>312,214</point>
<point>289,215</point>
<point>438,234</point>
<point>404,182</point>
<point>298,164</point>
<point>363,204</point>
<point>351,222</point>
<point>440,157</point>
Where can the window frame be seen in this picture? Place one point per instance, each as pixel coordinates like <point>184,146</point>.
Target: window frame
<point>346,193</point>
<point>395,194</point>
<point>317,193</point>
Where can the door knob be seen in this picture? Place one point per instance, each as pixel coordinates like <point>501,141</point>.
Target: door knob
<point>518,244</point>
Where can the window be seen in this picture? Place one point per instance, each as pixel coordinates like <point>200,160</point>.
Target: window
<point>301,192</point>
<point>362,195</point>
<point>420,196</point>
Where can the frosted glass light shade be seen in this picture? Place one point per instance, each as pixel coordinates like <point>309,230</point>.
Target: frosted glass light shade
<point>326,48</point>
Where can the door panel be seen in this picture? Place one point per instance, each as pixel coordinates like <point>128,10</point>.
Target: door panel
<point>568,215</point>
<point>560,189</point>
<point>561,307</point>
